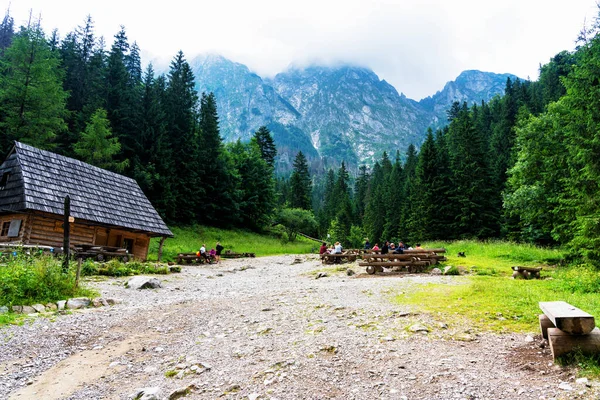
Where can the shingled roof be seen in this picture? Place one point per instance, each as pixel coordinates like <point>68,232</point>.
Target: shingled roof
<point>39,180</point>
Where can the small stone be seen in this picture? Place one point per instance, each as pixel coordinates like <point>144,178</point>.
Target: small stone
<point>143,282</point>
<point>159,349</point>
<point>582,381</point>
<point>39,308</point>
<point>436,271</point>
<point>51,307</point>
<point>529,339</point>
<point>181,366</point>
<point>150,393</point>
<point>17,309</point>
<point>418,328</point>
<point>179,375</point>
<point>114,364</point>
<point>3,310</point>
<point>61,304</point>
<point>388,339</point>
<point>28,310</point>
<point>321,275</point>
<point>112,302</point>
<point>443,325</point>
<point>253,396</point>
<point>97,302</point>
<point>98,347</point>
<point>194,368</point>
<point>565,386</point>
<point>350,272</point>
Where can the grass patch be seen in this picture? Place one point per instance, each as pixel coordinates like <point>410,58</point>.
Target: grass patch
<point>26,280</point>
<point>496,257</point>
<point>189,239</point>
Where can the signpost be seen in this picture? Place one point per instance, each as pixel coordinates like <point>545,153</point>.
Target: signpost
<point>67,234</point>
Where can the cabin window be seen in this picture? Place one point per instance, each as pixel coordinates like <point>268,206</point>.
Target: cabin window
<point>5,228</point>
<point>4,179</point>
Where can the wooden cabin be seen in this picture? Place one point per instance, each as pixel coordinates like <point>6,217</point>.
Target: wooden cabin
<point>108,209</point>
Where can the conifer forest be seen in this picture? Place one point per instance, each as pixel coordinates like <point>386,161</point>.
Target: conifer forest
<point>524,166</point>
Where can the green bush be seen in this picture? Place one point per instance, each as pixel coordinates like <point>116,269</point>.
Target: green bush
<point>28,280</point>
<point>452,271</point>
<point>88,267</point>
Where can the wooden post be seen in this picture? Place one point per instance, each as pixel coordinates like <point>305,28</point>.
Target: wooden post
<point>562,343</point>
<point>160,248</point>
<point>545,323</point>
<point>67,234</point>
<point>79,260</point>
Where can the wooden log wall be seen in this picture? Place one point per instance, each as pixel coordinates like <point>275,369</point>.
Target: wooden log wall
<point>47,230</point>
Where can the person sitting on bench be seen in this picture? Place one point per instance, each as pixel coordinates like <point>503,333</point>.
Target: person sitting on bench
<point>203,253</point>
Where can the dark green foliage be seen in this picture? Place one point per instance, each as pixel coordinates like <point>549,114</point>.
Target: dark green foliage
<point>300,184</point>
<point>296,220</point>
<point>32,101</point>
<point>265,143</point>
<point>7,32</point>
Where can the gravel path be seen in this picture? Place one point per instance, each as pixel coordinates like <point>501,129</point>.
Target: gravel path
<point>265,328</point>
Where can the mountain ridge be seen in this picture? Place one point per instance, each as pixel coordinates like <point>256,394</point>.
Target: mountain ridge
<point>331,113</point>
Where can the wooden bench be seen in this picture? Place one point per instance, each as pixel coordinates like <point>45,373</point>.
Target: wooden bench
<point>327,258</point>
<point>526,272</point>
<point>191,258</point>
<point>411,260</point>
<point>567,329</point>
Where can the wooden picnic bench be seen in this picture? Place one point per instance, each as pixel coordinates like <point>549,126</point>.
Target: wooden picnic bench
<point>232,254</point>
<point>335,258</point>
<point>409,260</point>
<point>101,253</point>
<point>526,272</point>
<point>190,258</point>
<point>568,329</point>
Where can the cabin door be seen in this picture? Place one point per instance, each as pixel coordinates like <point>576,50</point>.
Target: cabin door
<point>101,237</point>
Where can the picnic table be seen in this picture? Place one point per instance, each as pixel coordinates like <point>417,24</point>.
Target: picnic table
<point>336,258</point>
<point>409,260</point>
<point>193,258</point>
<point>101,253</point>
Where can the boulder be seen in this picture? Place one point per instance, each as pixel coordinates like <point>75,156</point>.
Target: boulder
<point>98,302</point>
<point>38,308</point>
<point>51,307</point>
<point>112,302</point>
<point>418,328</point>
<point>28,310</point>
<point>3,310</point>
<point>436,271</point>
<point>77,303</point>
<point>61,304</point>
<point>143,282</point>
<point>17,309</point>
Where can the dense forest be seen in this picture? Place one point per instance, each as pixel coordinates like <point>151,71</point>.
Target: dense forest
<point>524,166</point>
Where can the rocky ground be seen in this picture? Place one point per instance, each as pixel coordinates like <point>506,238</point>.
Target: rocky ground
<point>265,328</point>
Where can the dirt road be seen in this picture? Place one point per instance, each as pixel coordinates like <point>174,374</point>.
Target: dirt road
<point>265,328</point>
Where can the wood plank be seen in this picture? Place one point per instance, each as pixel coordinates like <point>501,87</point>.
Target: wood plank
<point>568,318</point>
<point>562,343</point>
<point>388,264</point>
<point>545,323</point>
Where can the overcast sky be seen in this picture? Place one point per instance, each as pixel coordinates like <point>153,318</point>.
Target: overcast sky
<point>417,45</point>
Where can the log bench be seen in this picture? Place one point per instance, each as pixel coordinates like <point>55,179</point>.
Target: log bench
<point>526,272</point>
<point>410,260</point>
<point>568,329</point>
<point>335,258</point>
<point>192,258</point>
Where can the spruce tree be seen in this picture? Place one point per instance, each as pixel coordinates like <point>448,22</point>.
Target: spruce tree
<point>263,139</point>
<point>300,184</point>
<point>181,112</point>
<point>7,32</point>
<point>217,206</point>
<point>31,95</point>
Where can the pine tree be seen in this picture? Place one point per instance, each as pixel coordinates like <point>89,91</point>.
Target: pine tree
<point>265,143</point>
<point>301,184</point>
<point>181,111</point>
<point>7,32</point>
<point>218,205</point>
<point>375,211</point>
<point>471,193</point>
<point>32,99</point>
<point>97,146</point>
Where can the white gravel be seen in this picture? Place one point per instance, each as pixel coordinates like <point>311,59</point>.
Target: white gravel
<point>265,328</point>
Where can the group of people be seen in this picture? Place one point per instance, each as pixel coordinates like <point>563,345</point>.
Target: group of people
<point>213,254</point>
<point>334,249</point>
<point>391,247</point>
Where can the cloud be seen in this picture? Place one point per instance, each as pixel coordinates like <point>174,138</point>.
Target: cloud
<point>417,46</point>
